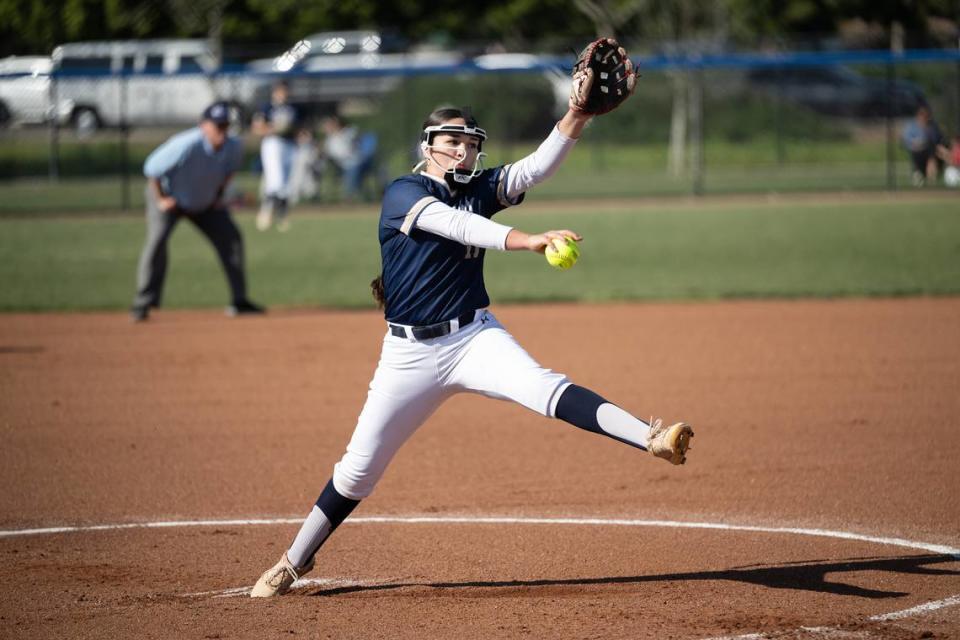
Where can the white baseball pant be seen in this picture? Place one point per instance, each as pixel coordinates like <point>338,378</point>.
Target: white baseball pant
<point>413,378</point>
<point>276,156</point>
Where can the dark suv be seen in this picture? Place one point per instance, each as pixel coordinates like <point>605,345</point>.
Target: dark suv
<point>838,91</point>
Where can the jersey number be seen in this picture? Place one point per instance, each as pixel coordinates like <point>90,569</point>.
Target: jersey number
<point>472,252</point>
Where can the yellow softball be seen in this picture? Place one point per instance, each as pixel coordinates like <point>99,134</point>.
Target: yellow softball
<point>562,253</point>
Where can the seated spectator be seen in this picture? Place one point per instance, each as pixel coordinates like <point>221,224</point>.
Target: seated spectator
<point>925,142</point>
<point>354,154</point>
<point>306,168</point>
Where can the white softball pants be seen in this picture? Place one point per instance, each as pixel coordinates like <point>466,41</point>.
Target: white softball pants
<point>276,156</point>
<point>414,378</point>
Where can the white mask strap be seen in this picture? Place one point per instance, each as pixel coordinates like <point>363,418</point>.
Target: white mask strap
<point>428,158</point>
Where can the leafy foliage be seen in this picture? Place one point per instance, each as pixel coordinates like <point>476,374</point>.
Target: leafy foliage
<point>36,26</point>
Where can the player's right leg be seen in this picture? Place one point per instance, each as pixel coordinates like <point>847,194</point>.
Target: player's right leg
<point>403,393</point>
<point>152,267</point>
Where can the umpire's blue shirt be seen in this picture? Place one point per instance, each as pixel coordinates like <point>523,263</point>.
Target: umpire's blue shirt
<point>190,169</point>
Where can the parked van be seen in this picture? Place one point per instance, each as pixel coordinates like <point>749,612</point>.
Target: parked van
<point>136,82</point>
<point>24,89</point>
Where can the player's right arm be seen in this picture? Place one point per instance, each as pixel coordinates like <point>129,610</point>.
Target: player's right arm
<point>164,201</point>
<point>160,164</point>
<point>519,241</point>
<point>408,206</point>
<point>476,231</point>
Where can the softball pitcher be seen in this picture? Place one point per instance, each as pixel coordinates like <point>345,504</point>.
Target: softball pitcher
<point>435,228</point>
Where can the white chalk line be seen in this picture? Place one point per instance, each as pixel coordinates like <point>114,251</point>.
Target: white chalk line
<point>835,632</point>
<point>921,608</point>
<point>299,584</point>
<point>825,533</point>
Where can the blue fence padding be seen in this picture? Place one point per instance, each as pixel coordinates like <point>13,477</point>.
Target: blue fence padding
<point>564,63</point>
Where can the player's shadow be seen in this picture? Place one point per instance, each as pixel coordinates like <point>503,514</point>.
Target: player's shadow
<point>809,575</point>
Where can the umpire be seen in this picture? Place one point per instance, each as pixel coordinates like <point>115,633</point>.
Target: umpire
<point>186,178</point>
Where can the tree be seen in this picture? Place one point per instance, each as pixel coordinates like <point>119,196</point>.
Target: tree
<point>202,15</point>
<point>672,22</point>
<point>610,16</point>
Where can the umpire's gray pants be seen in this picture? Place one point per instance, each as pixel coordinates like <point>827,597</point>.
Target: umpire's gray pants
<point>219,228</point>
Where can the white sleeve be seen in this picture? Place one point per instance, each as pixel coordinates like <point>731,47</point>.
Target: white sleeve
<point>539,165</point>
<point>462,226</point>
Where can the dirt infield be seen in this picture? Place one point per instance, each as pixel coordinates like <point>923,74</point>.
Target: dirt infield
<point>820,501</point>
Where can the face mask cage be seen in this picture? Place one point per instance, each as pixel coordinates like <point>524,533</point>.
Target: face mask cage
<point>455,175</point>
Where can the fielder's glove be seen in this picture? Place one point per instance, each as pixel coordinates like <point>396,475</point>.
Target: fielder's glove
<point>603,78</point>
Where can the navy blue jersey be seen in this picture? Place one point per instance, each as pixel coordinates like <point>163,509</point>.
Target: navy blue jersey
<point>428,278</point>
<point>285,118</point>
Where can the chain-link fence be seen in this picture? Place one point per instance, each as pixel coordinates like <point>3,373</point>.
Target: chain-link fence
<point>77,130</point>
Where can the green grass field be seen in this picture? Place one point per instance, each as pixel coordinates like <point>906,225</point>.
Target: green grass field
<point>668,252</point>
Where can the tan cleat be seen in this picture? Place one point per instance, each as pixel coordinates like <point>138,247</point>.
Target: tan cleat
<point>277,580</point>
<point>670,443</point>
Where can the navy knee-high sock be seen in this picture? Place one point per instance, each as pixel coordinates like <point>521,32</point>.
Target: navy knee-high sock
<point>585,409</point>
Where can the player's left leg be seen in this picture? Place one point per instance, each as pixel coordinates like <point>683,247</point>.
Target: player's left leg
<point>497,366</point>
<point>585,409</point>
<point>152,267</point>
<point>219,228</point>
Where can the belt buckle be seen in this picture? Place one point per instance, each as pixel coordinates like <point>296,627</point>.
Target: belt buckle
<point>431,331</point>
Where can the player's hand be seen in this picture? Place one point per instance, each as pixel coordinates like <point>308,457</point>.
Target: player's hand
<point>538,242</point>
<point>167,203</point>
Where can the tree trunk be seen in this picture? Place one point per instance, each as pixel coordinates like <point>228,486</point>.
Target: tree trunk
<point>676,157</point>
<point>215,31</point>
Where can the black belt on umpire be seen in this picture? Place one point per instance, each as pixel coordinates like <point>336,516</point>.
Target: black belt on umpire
<point>429,331</point>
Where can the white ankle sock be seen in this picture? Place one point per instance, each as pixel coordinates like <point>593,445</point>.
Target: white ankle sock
<point>314,531</point>
<point>620,424</point>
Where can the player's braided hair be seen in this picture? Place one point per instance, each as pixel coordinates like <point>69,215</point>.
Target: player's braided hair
<point>376,287</point>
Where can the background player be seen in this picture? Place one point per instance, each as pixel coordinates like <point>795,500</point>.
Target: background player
<point>278,122</point>
<point>186,178</point>
<point>441,340</point>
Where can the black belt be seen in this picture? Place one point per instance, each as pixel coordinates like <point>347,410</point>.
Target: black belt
<point>431,330</point>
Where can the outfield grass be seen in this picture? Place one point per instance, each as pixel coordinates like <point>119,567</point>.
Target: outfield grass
<point>672,252</point>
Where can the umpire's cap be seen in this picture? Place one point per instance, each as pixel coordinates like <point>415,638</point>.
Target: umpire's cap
<point>218,113</point>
